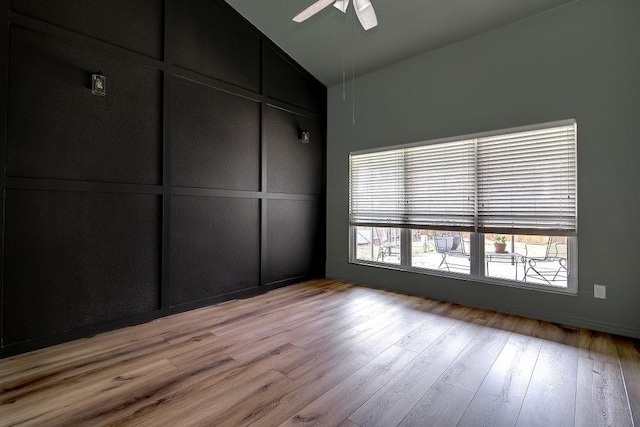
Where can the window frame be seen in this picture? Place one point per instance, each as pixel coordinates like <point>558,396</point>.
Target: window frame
<point>477,241</point>
<point>476,263</point>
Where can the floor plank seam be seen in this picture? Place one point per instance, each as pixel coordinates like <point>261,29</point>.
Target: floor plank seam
<point>626,392</point>
<point>529,382</point>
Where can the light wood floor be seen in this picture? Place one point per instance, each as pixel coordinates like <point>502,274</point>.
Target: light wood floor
<point>329,353</point>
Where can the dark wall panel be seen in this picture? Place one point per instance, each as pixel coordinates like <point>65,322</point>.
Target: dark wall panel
<point>59,129</point>
<point>215,247</point>
<point>215,139</point>
<point>285,83</point>
<point>135,25</point>
<point>210,41</point>
<point>293,167</point>
<point>76,259</point>
<point>294,241</point>
<point>85,253</point>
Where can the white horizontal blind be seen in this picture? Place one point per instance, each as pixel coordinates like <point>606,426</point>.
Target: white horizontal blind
<point>423,186</point>
<point>440,185</point>
<point>376,188</point>
<point>519,182</point>
<point>527,181</point>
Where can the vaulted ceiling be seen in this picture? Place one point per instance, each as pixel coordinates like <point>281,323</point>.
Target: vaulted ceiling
<point>405,28</point>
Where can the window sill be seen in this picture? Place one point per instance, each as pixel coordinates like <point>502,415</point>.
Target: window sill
<point>540,287</point>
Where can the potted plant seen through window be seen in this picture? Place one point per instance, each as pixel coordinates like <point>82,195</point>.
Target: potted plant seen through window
<point>500,244</point>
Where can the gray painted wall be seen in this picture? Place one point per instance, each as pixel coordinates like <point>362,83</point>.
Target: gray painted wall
<point>579,61</point>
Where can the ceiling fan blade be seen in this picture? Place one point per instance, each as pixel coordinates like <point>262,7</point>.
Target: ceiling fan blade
<point>312,10</point>
<point>342,5</point>
<point>365,13</point>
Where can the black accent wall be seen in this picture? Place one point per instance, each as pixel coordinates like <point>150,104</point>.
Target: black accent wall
<point>184,186</point>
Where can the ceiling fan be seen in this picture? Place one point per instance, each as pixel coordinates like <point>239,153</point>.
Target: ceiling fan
<point>364,11</point>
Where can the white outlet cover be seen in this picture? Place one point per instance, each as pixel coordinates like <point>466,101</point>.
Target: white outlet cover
<point>599,291</point>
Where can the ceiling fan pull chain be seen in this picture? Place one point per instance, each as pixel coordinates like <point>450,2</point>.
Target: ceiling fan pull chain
<point>353,74</point>
<point>344,60</point>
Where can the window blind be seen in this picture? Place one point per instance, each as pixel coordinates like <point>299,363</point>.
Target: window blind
<point>522,182</point>
<point>440,185</point>
<point>376,189</point>
<point>527,181</point>
<point>423,186</point>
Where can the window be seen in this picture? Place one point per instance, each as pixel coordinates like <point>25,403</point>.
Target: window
<point>500,206</point>
<point>379,244</point>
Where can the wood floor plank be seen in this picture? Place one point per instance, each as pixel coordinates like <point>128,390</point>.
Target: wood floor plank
<point>395,399</point>
<point>357,331</point>
<point>629,353</point>
<point>199,378</point>
<point>441,406</point>
<point>560,334</point>
<point>335,405</point>
<point>217,400</point>
<point>42,374</point>
<point>598,346</point>
<point>499,398</point>
<point>303,390</point>
<point>333,307</point>
<point>601,399</point>
<point>345,317</point>
<point>273,316</point>
<point>325,355</point>
<point>387,337</point>
<point>469,369</point>
<point>427,333</point>
<point>329,352</point>
<point>148,398</point>
<point>197,389</point>
<point>234,312</point>
<point>63,409</point>
<point>551,395</point>
<point>211,349</point>
<point>328,324</point>
<point>350,341</point>
<point>244,349</point>
<point>242,409</point>
<point>69,383</point>
<point>51,382</point>
<point>64,355</point>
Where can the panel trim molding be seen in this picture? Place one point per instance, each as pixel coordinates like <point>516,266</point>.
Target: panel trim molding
<point>14,183</point>
<point>167,86</point>
<point>4,89</point>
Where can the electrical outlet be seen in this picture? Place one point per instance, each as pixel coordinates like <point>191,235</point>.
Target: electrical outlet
<point>599,291</point>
